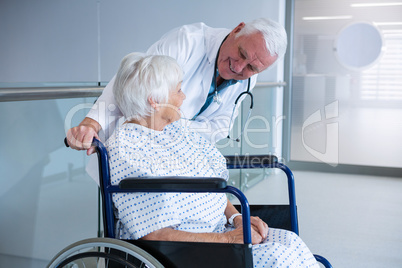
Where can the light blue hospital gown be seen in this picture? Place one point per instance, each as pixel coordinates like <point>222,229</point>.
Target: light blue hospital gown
<point>136,151</point>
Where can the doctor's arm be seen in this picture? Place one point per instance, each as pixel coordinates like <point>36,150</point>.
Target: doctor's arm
<point>103,113</point>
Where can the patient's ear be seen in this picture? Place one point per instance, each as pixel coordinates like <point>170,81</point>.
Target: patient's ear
<point>154,104</point>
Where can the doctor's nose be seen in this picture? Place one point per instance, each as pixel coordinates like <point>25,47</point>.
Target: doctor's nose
<point>238,66</point>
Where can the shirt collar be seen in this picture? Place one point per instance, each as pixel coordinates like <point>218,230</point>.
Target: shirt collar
<point>226,83</point>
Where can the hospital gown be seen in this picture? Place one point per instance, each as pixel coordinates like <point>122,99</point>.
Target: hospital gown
<point>137,151</point>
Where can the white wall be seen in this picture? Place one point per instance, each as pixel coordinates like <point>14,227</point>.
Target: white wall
<point>60,40</point>
<point>74,41</point>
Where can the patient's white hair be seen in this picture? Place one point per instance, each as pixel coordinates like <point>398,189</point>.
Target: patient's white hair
<point>274,35</point>
<point>141,77</point>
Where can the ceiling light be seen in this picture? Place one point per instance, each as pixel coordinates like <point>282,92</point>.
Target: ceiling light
<point>328,18</point>
<point>388,23</point>
<point>376,4</point>
<point>394,31</point>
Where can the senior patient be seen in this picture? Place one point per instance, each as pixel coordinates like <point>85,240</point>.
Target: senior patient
<point>153,141</point>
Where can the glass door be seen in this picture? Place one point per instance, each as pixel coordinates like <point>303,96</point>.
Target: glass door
<point>345,100</point>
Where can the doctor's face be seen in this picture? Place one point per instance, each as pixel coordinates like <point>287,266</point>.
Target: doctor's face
<point>244,56</point>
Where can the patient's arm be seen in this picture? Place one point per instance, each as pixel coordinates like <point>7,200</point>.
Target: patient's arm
<point>81,136</point>
<point>229,211</point>
<point>259,232</point>
<point>232,237</point>
<point>257,224</point>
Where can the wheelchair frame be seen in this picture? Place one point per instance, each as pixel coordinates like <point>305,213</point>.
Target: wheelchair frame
<point>242,252</point>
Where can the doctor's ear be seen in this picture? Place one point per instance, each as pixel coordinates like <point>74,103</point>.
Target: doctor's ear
<point>238,28</point>
<point>154,104</point>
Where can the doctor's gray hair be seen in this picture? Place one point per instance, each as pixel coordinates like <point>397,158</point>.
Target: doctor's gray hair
<point>141,77</point>
<point>274,35</point>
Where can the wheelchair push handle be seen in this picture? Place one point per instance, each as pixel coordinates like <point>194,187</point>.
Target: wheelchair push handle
<point>94,142</point>
<point>66,142</point>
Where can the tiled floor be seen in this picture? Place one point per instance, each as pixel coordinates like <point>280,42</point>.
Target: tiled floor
<point>352,220</point>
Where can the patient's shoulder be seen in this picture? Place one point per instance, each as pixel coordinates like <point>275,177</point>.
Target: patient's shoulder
<point>181,129</point>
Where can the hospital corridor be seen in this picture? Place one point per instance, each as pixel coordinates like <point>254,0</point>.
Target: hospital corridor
<point>323,111</point>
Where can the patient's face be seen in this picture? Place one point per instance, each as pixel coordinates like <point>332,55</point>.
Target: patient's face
<point>171,111</point>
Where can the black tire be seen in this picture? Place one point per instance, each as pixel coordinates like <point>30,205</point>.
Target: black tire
<point>110,252</point>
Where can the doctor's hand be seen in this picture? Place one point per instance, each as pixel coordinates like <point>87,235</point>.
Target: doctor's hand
<point>81,136</point>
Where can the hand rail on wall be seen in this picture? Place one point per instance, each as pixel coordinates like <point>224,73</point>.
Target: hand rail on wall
<point>44,93</point>
<point>270,84</point>
<point>47,93</point>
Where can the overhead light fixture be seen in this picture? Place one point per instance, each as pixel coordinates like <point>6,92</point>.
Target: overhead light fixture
<point>328,18</point>
<point>391,23</point>
<point>376,4</point>
<point>392,31</point>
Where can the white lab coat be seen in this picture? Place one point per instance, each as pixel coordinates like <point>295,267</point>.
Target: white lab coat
<point>195,47</point>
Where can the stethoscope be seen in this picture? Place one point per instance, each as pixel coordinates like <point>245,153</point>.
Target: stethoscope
<point>218,99</point>
<point>234,110</point>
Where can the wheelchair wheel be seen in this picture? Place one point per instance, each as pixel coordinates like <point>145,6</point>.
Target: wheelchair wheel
<point>103,252</point>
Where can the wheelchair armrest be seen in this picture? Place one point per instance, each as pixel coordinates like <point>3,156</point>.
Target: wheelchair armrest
<point>183,184</point>
<point>250,161</point>
<point>172,183</point>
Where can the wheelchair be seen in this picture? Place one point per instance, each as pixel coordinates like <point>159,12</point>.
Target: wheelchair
<point>112,253</point>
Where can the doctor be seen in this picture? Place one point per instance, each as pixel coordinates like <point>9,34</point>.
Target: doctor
<point>218,66</point>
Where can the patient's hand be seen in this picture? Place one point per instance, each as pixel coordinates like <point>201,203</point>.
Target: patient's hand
<point>257,225</point>
<point>81,136</point>
<point>236,236</point>
<point>260,226</point>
